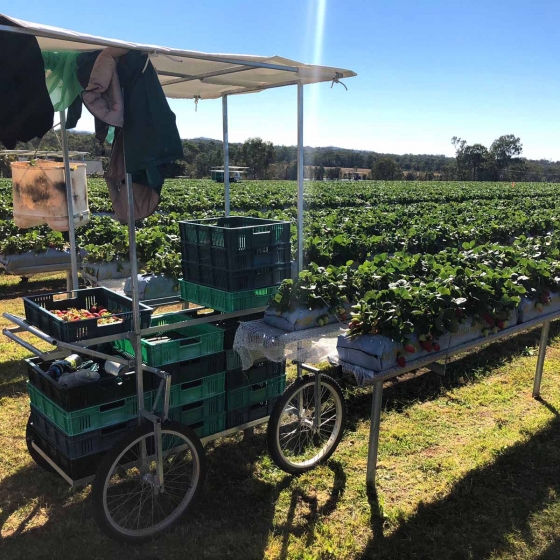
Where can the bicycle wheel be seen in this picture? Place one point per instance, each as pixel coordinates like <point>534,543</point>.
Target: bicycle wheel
<point>29,437</point>
<point>294,443</point>
<point>127,503</point>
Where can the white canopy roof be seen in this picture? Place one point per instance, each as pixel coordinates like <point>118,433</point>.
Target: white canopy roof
<point>190,74</point>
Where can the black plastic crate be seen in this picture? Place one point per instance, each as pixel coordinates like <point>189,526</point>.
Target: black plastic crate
<point>189,370</point>
<point>235,233</point>
<point>76,469</point>
<point>108,388</point>
<point>236,281</point>
<point>241,416</point>
<point>76,447</point>
<point>220,257</point>
<point>230,327</point>
<point>261,371</point>
<point>38,313</point>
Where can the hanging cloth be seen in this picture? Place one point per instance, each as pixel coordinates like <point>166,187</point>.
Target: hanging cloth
<point>26,110</point>
<point>62,82</point>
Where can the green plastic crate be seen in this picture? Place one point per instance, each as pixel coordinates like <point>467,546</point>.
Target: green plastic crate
<point>233,360</point>
<point>191,342</point>
<point>226,302</point>
<point>193,413</point>
<point>256,393</point>
<point>196,390</point>
<point>86,419</point>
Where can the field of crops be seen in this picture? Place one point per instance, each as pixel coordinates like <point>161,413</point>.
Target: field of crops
<point>344,221</point>
<point>468,462</point>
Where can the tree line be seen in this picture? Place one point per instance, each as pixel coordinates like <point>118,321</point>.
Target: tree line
<point>474,162</point>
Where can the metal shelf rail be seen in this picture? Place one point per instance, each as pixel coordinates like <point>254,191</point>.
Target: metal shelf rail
<point>432,363</point>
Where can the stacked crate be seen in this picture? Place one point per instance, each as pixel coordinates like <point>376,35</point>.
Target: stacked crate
<point>75,426</point>
<point>195,359</point>
<point>250,394</point>
<point>234,263</point>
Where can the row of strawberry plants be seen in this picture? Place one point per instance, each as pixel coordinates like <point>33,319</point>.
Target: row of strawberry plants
<point>397,295</point>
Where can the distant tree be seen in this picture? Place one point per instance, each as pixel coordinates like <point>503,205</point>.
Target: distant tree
<point>333,173</point>
<point>386,169</point>
<point>474,158</point>
<point>461,166</point>
<point>505,148</point>
<point>258,155</point>
<point>318,173</point>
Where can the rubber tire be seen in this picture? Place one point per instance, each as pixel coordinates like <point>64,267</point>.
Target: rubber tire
<point>29,433</point>
<point>106,464</point>
<point>274,421</point>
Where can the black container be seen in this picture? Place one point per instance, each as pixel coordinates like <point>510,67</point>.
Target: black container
<point>241,416</point>
<point>188,370</point>
<point>105,389</point>
<point>76,447</point>
<point>236,280</point>
<point>38,313</point>
<point>76,469</point>
<point>261,371</point>
<point>230,327</point>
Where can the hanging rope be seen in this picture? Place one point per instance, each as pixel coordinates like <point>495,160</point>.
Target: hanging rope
<point>196,98</point>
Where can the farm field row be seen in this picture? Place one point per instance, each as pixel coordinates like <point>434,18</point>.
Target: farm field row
<point>344,221</point>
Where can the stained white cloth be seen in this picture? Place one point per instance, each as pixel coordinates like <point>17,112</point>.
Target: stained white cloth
<point>255,340</point>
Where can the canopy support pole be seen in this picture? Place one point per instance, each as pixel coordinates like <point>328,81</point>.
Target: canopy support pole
<point>136,335</point>
<point>70,201</point>
<point>226,151</point>
<point>300,176</point>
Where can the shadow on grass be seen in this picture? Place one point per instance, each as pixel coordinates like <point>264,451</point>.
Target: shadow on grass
<point>483,509</point>
<point>13,376</point>
<point>13,291</point>
<point>409,389</point>
<point>233,517</point>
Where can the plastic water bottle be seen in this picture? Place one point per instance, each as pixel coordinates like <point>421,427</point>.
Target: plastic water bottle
<point>69,364</point>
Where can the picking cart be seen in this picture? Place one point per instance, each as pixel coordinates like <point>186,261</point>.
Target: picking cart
<point>154,466</point>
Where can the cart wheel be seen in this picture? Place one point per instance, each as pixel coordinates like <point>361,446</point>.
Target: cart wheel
<point>29,437</point>
<point>293,442</point>
<point>127,504</point>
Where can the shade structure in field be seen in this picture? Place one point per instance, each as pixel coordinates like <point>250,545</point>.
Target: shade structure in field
<point>187,74</point>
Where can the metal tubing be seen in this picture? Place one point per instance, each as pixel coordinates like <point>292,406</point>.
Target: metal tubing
<point>300,176</point>
<point>202,320</point>
<point>317,391</point>
<point>52,463</point>
<point>21,342</point>
<point>29,328</point>
<point>166,396</point>
<point>159,454</point>
<point>94,353</point>
<point>374,434</point>
<point>540,361</point>
<point>226,152</point>
<point>189,78</point>
<point>70,201</point>
<point>136,337</point>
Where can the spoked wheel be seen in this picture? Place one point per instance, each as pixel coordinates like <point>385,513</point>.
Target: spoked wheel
<point>294,443</point>
<point>128,503</point>
<point>29,437</point>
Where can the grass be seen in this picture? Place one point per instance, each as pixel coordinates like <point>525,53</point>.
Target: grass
<point>468,469</point>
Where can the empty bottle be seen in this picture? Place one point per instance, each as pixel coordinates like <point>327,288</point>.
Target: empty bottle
<point>69,364</point>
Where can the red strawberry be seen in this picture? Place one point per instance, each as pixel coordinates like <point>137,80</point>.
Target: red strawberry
<point>437,347</point>
<point>500,324</point>
<point>401,361</point>
<point>409,348</point>
<point>458,312</point>
<point>427,346</point>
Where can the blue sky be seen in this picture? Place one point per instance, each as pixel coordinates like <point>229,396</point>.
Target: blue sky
<point>427,70</point>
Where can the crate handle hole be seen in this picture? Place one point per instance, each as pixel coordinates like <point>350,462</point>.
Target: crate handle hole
<point>112,406</point>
